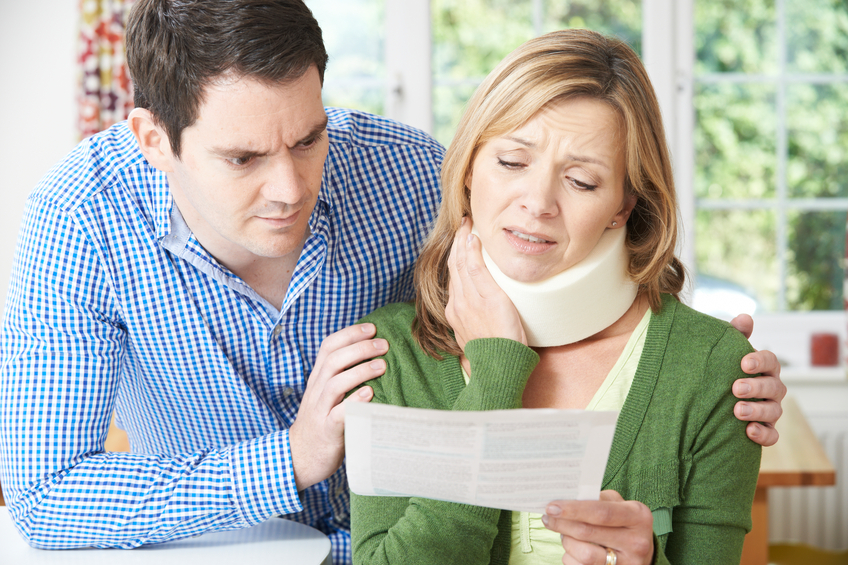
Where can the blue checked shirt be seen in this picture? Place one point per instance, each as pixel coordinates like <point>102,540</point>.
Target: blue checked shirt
<point>115,306</point>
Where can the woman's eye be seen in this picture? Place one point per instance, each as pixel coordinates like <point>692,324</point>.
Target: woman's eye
<point>509,164</point>
<point>583,185</point>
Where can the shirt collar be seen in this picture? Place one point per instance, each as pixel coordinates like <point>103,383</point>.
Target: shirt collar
<point>162,204</point>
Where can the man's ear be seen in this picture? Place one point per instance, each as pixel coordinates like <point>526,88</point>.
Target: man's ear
<point>151,139</point>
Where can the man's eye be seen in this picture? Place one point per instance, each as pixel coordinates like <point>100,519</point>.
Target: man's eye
<point>239,161</point>
<point>309,143</point>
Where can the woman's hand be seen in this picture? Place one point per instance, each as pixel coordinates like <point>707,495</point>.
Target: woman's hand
<point>590,527</point>
<point>477,307</point>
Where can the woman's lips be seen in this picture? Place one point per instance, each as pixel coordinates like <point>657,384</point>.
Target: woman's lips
<point>527,242</point>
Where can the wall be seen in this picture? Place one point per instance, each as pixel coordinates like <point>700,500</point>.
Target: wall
<point>37,105</point>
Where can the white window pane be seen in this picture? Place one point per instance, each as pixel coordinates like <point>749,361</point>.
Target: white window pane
<point>470,37</point>
<point>736,250</point>
<point>817,140</point>
<point>736,36</point>
<point>724,131</point>
<point>817,36</point>
<point>815,260</point>
<point>354,35</point>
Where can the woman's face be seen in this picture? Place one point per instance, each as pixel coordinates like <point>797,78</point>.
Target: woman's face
<point>542,195</point>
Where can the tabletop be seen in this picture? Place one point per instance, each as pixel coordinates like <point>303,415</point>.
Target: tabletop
<point>797,459</point>
<point>273,541</point>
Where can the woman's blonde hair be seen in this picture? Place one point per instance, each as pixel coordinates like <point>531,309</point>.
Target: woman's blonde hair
<point>564,64</point>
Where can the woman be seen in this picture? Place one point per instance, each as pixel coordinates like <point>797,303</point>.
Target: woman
<point>560,167</point>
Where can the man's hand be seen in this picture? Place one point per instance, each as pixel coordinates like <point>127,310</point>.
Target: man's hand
<point>764,414</point>
<point>317,435</point>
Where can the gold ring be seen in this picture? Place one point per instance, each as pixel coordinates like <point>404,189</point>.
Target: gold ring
<point>611,557</point>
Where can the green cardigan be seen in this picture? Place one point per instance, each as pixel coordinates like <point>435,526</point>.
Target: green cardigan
<point>677,444</point>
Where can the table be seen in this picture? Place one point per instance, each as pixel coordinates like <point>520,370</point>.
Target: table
<point>276,541</point>
<point>797,459</point>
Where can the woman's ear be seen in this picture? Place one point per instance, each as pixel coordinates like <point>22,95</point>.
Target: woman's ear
<point>151,139</point>
<point>623,214</point>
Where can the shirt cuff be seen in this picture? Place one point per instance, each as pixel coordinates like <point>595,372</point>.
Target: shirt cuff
<point>263,477</point>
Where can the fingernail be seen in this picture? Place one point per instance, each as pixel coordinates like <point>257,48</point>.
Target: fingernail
<point>364,392</point>
<point>749,365</point>
<point>468,239</point>
<point>462,223</point>
<point>553,510</point>
<point>745,410</point>
<point>366,328</point>
<point>376,364</point>
<point>380,344</point>
<point>743,388</point>
<point>545,519</point>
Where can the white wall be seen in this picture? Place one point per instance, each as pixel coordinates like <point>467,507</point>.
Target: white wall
<point>37,105</point>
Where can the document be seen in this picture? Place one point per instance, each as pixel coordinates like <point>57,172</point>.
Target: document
<point>509,459</point>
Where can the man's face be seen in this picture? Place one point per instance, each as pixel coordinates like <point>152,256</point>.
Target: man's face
<point>250,167</point>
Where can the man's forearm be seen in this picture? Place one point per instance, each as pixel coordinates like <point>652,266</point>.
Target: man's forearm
<point>126,500</point>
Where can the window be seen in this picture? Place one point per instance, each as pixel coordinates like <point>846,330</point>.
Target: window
<point>354,35</point>
<point>771,170</point>
<point>771,150</point>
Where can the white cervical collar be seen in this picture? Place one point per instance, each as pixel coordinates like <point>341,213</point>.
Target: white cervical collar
<point>578,302</point>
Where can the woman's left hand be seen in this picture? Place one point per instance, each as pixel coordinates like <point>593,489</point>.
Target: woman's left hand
<point>477,307</point>
<point>590,527</point>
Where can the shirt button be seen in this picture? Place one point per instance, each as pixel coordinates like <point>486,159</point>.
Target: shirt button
<point>278,330</point>
<point>288,391</point>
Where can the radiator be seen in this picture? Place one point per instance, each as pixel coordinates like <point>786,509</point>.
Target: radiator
<point>816,516</point>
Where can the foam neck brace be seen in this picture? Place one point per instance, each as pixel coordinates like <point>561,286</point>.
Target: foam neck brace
<point>578,302</point>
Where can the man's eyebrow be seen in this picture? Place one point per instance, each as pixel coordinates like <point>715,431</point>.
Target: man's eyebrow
<point>236,152</point>
<point>571,157</point>
<point>242,153</point>
<point>315,132</point>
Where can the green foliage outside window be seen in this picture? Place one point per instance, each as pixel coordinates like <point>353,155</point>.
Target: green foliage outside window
<point>738,141</point>
<point>470,37</point>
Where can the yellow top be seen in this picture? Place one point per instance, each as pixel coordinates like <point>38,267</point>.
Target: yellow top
<point>532,542</point>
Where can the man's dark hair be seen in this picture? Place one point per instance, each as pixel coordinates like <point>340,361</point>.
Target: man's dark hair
<point>175,48</point>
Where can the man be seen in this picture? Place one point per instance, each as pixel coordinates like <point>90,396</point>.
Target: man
<point>182,268</point>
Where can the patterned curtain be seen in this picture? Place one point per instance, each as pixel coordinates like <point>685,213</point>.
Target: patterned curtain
<point>105,91</point>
